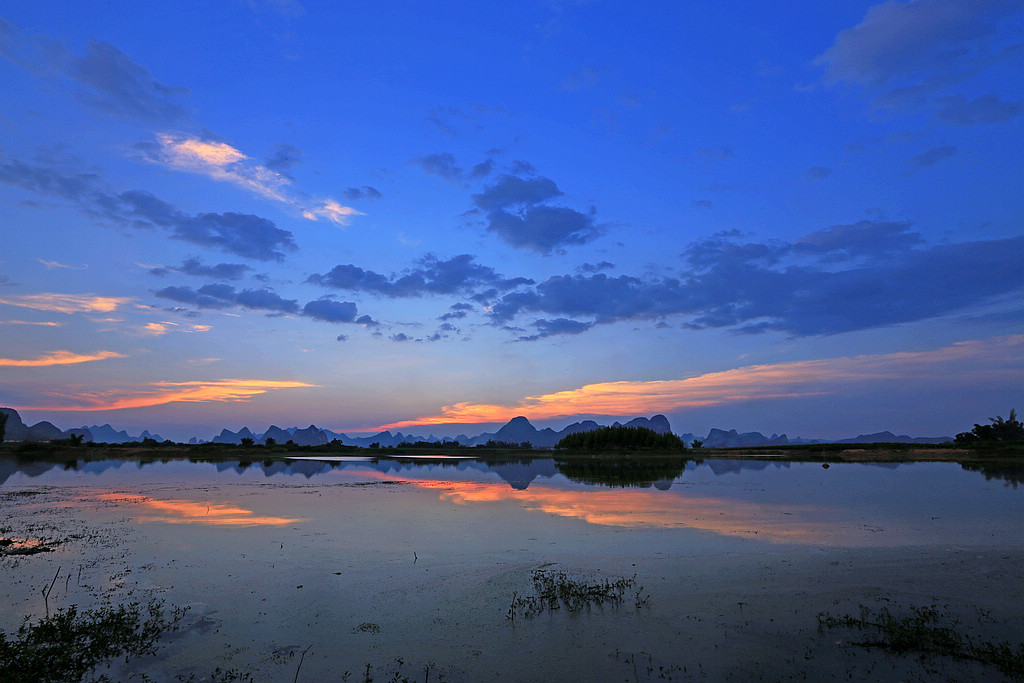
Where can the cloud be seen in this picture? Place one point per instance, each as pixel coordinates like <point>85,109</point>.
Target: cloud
<point>364,192</point>
<point>702,204</point>
<point>548,328</point>
<point>430,276</point>
<point>26,322</point>
<point>222,162</point>
<point>516,213</point>
<point>934,155</point>
<point>595,267</point>
<point>243,234</point>
<point>960,111</point>
<point>331,311</point>
<point>54,265</point>
<point>443,165</point>
<point>223,296</point>
<point>107,78</point>
<point>818,172</point>
<point>750,383</point>
<point>67,303</point>
<point>284,157</point>
<point>219,296</point>
<point>906,40</point>
<point>193,266</point>
<point>59,358</point>
<point>844,278</point>
<point>162,393</point>
<point>400,337</point>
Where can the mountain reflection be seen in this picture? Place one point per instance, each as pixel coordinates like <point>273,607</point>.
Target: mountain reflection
<point>193,511</point>
<point>624,473</point>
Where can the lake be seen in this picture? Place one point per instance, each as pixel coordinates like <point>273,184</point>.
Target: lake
<point>406,569</point>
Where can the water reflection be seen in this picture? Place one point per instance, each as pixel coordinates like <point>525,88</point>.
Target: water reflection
<point>193,511</point>
<point>774,501</point>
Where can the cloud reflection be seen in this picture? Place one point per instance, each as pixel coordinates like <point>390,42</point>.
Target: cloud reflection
<point>194,512</point>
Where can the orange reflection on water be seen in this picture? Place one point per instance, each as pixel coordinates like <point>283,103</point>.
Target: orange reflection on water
<point>657,509</point>
<point>652,508</point>
<point>195,512</point>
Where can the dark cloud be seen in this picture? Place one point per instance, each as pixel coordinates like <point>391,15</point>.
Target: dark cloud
<point>510,191</point>
<point>367,321</point>
<point>520,167</point>
<point>818,172</point>
<point>443,165</point>
<point>242,234</point>
<point>845,278</point>
<point>594,267</point>
<point>702,204</point>
<point>364,192</point>
<point>400,337</point>
<point>430,276</point>
<point>108,79</point>
<point>342,337</point>
<point>224,296</point>
<point>284,157</point>
<point>960,111</point>
<point>331,311</point>
<point>516,212</point>
<point>187,295</point>
<point>440,164</point>
<point>549,328</point>
<point>934,155</point>
<point>193,266</point>
<point>901,40</point>
<point>219,295</point>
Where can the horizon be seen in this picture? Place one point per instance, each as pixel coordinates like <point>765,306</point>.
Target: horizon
<point>801,219</point>
<point>472,430</point>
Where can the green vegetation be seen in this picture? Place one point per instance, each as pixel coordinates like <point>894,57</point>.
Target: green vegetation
<point>622,472</point>
<point>69,646</point>
<point>1000,430</point>
<point>556,589</point>
<point>621,439</point>
<point>924,632</point>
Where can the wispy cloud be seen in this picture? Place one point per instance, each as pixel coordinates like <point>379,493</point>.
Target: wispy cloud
<point>27,322</point>
<point>755,382</point>
<point>53,265</point>
<point>59,358</point>
<point>67,303</point>
<point>223,162</point>
<point>161,393</point>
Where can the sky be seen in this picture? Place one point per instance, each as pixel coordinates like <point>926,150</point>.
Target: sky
<point>802,218</point>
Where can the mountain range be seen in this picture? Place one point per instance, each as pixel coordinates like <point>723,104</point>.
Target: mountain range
<point>517,430</point>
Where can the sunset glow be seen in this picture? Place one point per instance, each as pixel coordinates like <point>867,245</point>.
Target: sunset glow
<point>193,511</point>
<point>219,391</point>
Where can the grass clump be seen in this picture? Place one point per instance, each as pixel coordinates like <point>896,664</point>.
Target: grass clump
<point>69,645</point>
<point>927,632</point>
<point>556,589</point>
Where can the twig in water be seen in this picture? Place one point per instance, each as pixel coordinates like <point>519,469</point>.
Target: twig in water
<point>300,662</point>
<point>46,592</point>
<point>414,557</point>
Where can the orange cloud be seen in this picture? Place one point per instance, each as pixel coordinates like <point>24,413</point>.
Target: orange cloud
<point>66,303</point>
<point>26,322</point>
<point>780,380</point>
<point>221,161</point>
<point>59,358</point>
<point>195,512</point>
<point>220,391</point>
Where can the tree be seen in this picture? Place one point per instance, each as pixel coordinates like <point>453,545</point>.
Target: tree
<point>1010,429</point>
<point>247,441</point>
<point>3,425</point>
<point>271,441</point>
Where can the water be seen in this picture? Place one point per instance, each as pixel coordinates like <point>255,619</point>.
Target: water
<point>376,561</point>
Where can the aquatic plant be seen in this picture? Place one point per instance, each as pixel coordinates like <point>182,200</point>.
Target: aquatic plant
<point>556,589</point>
<point>925,631</point>
<point>70,645</point>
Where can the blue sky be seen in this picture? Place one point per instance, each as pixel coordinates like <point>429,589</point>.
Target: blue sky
<point>802,219</point>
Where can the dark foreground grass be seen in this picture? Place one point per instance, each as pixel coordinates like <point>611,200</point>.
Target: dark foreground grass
<point>555,590</point>
<point>926,631</point>
<point>70,645</point>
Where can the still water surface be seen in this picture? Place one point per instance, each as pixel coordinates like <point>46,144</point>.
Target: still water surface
<point>376,561</point>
